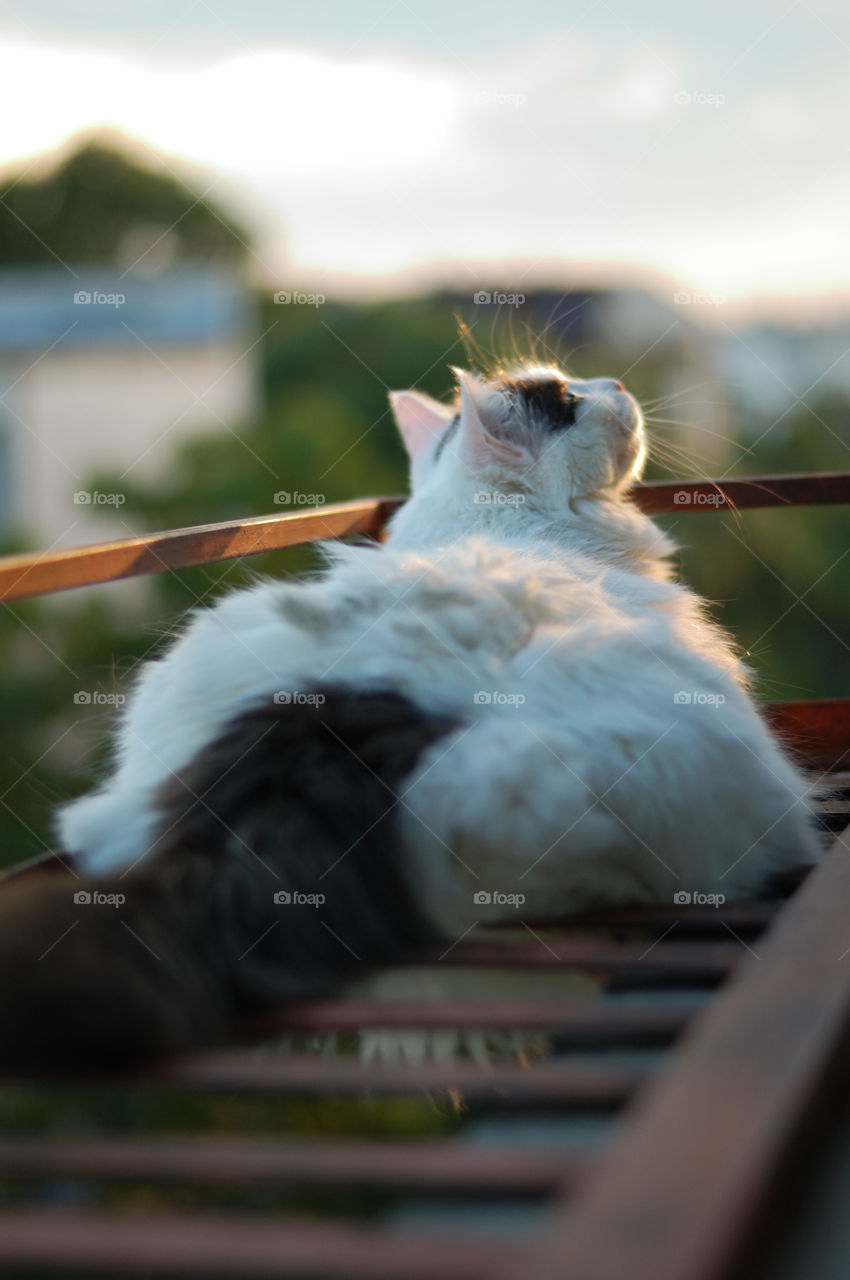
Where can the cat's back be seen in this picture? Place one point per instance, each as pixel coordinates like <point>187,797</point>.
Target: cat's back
<point>480,612</point>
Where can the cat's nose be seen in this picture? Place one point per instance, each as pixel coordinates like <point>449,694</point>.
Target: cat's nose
<point>615,384</point>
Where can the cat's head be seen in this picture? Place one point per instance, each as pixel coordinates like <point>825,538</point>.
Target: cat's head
<point>530,431</point>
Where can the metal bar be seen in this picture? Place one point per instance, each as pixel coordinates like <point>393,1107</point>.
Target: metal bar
<point>425,1165</point>
<point>807,488</point>
<point>743,917</point>
<point>711,961</point>
<point>816,730</point>
<point>682,1193</point>
<point>220,1244</point>
<point>564,1082</point>
<point>38,573</point>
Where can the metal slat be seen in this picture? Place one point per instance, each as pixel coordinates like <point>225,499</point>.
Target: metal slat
<point>565,1083</point>
<point>36,574</point>
<point>801,489</point>
<point>709,961</point>
<point>427,1164</point>
<point>697,1159</point>
<point>816,730</point>
<point>199,1244</point>
<point>743,917</point>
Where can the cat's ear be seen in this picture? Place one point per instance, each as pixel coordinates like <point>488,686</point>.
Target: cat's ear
<point>420,419</point>
<point>477,442</point>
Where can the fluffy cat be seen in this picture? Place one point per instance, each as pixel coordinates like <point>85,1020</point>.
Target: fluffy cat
<point>508,709</point>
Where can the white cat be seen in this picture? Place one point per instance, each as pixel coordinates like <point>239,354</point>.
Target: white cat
<point>569,729</point>
<point>606,750</point>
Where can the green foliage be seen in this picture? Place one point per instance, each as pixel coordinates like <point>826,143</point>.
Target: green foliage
<point>84,210</point>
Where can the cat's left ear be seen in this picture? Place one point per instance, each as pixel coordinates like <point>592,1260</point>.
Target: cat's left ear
<point>419,419</point>
<point>478,444</point>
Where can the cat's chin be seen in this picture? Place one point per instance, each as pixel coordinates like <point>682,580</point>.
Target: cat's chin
<point>637,453</point>
<point>629,458</point>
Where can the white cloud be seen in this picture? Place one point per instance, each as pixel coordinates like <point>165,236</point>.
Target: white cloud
<point>293,110</point>
<point>560,151</point>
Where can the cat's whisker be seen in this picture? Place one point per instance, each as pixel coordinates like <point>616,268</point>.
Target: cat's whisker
<point>670,397</point>
<point>708,431</point>
<point>697,473</point>
<point>690,463</point>
<point>475,353</point>
<point>677,453</point>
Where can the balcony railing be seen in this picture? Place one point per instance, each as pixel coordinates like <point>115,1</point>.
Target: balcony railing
<point>707,1061</point>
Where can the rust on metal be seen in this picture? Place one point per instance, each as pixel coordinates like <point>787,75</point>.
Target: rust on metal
<point>817,731</point>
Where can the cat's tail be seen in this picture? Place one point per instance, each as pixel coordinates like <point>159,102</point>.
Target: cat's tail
<point>277,877</point>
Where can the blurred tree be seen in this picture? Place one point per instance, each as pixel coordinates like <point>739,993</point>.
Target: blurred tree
<point>101,206</point>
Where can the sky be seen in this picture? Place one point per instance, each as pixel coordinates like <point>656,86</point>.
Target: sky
<point>380,145</point>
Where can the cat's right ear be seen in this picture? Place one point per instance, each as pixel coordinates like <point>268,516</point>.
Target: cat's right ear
<point>420,419</point>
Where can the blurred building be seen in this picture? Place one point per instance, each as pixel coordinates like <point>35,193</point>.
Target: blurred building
<point>767,368</point>
<point>103,375</point>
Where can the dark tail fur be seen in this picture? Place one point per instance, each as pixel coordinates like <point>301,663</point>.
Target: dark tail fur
<point>277,878</point>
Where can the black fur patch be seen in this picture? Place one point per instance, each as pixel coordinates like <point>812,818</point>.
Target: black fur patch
<point>300,801</point>
<point>550,400</point>
<point>294,799</point>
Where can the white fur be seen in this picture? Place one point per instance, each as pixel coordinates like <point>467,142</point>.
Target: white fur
<point>583,780</point>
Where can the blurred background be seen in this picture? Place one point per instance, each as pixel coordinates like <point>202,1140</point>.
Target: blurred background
<point>227,230</point>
